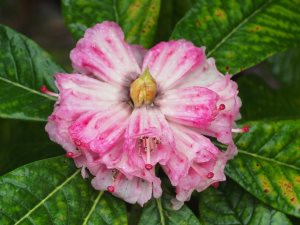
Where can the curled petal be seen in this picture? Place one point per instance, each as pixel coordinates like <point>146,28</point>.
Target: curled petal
<point>191,149</point>
<point>103,53</point>
<point>208,76</point>
<point>57,130</point>
<point>135,190</point>
<point>169,62</point>
<point>202,175</point>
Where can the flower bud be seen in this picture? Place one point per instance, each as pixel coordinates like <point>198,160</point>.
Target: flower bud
<point>143,89</point>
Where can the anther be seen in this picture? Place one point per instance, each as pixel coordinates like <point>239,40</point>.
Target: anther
<point>222,107</point>
<point>111,189</point>
<point>148,144</point>
<point>216,184</point>
<point>210,175</point>
<point>47,92</point>
<point>148,166</point>
<point>69,155</point>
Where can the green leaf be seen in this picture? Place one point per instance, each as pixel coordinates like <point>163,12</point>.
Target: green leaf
<point>138,18</point>
<point>160,212</point>
<point>18,146</point>
<point>229,204</point>
<point>277,78</point>
<point>170,13</point>
<point>268,163</point>
<point>53,192</point>
<point>241,34</point>
<point>24,69</point>
<point>286,67</point>
<point>259,99</point>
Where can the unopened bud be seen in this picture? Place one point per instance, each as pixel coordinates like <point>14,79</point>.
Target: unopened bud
<point>143,89</point>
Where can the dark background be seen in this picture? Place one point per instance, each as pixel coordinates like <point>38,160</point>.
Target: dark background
<point>41,21</point>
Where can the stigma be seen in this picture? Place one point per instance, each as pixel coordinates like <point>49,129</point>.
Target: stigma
<point>116,177</point>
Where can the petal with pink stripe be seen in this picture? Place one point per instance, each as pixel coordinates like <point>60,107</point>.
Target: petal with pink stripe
<point>103,53</point>
<point>193,106</point>
<point>169,62</point>
<point>97,130</point>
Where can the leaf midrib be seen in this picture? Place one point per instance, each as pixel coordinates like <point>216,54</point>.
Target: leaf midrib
<point>245,20</point>
<point>86,219</point>
<point>47,197</point>
<point>26,88</point>
<point>268,159</point>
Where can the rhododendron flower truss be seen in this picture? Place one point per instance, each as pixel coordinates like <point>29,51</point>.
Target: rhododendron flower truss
<point>126,110</point>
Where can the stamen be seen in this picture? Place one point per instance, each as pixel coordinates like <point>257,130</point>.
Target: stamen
<point>222,107</point>
<point>116,176</point>
<point>244,129</point>
<point>69,154</point>
<point>216,184</point>
<point>47,92</point>
<point>148,144</point>
<point>210,175</point>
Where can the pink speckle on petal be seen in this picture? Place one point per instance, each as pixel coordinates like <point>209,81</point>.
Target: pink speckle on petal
<point>120,143</point>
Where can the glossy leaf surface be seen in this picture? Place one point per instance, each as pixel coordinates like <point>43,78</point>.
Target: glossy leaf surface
<point>160,212</point>
<point>19,146</point>
<point>241,34</point>
<point>268,164</point>
<point>52,191</point>
<point>229,204</point>
<point>24,69</point>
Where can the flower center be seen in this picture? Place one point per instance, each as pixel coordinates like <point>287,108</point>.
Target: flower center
<point>143,89</point>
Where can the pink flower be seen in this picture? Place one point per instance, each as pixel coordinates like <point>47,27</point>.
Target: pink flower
<point>125,110</point>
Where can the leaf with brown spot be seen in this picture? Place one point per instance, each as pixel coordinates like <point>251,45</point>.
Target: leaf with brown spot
<point>241,33</point>
<point>273,146</point>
